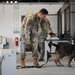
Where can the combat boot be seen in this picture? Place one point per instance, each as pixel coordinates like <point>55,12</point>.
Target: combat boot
<point>22,63</point>
<point>35,62</point>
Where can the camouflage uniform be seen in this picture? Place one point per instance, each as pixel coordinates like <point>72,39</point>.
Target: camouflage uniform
<point>36,30</point>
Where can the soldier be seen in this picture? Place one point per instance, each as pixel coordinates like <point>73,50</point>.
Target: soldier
<point>34,30</point>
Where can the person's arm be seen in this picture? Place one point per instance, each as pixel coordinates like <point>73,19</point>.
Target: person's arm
<point>49,29</point>
<point>27,29</point>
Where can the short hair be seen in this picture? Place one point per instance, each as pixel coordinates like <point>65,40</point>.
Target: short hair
<point>43,11</point>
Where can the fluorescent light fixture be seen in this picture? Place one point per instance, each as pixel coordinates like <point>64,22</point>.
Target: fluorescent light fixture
<point>15,1</point>
<point>11,1</point>
<point>7,1</point>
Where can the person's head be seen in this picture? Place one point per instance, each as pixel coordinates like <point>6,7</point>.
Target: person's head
<point>43,13</point>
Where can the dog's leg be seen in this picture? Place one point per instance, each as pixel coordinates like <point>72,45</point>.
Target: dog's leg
<point>57,60</point>
<point>69,61</point>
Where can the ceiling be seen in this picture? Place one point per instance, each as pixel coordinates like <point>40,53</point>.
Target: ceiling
<point>34,0</point>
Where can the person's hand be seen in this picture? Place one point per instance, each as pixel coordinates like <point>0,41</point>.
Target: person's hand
<point>29,42</point>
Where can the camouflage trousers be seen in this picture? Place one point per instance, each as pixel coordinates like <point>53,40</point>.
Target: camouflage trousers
<point>35,43</point>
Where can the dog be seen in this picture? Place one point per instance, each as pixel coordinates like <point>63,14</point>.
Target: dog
<point>63,49</point>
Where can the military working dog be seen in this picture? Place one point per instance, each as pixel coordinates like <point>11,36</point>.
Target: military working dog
<point>63,49</point>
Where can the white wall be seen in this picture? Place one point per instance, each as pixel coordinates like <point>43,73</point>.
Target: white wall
<point>10,18</point>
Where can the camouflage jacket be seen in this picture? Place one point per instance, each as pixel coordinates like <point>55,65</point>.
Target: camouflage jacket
<point>33,26</point>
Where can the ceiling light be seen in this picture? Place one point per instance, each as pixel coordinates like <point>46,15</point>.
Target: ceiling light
<point>15,1</point>
<point>11,1</point>
<point>7,1</point>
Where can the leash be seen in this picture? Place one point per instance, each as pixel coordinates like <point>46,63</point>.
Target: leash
<point>48,55</point>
